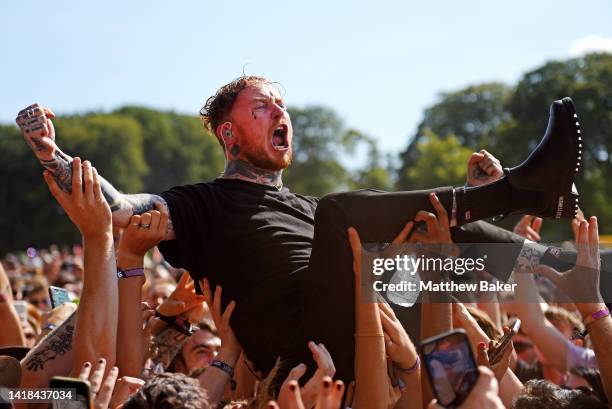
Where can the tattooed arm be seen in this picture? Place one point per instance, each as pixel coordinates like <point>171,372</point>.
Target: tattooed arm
<point>39,133</point>
<point>50,357</point>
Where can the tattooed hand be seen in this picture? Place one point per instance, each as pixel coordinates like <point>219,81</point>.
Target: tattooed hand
<point>85,206</point>
<point>483,168</point>
<point>37,129</point>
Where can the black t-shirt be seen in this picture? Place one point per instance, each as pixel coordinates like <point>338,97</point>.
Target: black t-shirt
<point>254,241</point>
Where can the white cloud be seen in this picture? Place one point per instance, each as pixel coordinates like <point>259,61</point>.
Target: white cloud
<point>589,44</point>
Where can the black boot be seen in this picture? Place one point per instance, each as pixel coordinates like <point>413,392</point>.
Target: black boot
<point>542,186</point>
<point>551,168</point>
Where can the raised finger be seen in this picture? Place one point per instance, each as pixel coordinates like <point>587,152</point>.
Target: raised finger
<point>325,394</point>
<point>163,223</point>
<point>145,220</point>
<point>85,370</point>
<point>88,181</point>
<point>184,280</point>
<point>97,188</point>
<point>155,217</point>
<point>401,237</point>
<point>227,314</point>
<point>205,286</point>
<point>337,394</point>
<point>537,224</point>
<point>594,239</point>
<point>96,376</point>
<point>524,222</point>
<point>582,244</point>
<point>355,243</point>
<point>106,390</point>
<point>387,309</point>
<point>533,234</point>
<point>77,179</point>
<point>440,210</point>
<point>217,304</point>
<point>134,221</point>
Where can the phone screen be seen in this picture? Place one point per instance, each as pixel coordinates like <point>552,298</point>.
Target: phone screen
<point>450,366</point>
<point>80,400</point>
<point>58,296</point>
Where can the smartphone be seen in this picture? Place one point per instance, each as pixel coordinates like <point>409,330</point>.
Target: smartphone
<point>22,309</point>
<point>81,393</point>
<point>497,353</point>
<point>58,296</point>
<point>450,367</point>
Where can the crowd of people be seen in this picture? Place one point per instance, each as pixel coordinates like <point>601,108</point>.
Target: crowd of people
<point>123,335</point>
<point>267,310</point>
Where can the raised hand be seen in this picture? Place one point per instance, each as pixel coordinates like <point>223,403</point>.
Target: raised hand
<point>143,233</point>
<point>438,225</point>
<point>101,387</point>
<point>483,168</point>
<point>398,345</point>
<point>581,283</point>
<point>183,299</point>
<point>329,395</point>
<point>37,129</point>
<point>229,342</point>
<point>529,227</point>
<point>85,206</point>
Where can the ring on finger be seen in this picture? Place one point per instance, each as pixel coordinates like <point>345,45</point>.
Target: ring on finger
<point>144,226</point>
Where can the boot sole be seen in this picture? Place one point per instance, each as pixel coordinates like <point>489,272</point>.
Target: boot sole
<point>567,200</point>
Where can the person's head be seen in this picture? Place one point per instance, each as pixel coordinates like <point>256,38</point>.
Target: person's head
<point>541,394</point>
<point>169,391</point>
<point>566,322</point>
<point>158,292</point>
<point>485,323</point>
<point>249,118</point>
<point>39,296</point>
<point>198,351</point>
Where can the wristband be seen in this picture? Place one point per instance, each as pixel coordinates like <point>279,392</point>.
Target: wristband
<point>223,366</point>
<point>597,315</point>
<point>410,370</point>
<point>133,272</point>
<point>178,323</point>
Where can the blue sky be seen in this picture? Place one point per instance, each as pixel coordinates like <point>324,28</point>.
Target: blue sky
<point>377,63</point>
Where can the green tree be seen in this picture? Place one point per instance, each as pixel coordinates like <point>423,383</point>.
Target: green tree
<point>441,162</point>
<point>472,114</point>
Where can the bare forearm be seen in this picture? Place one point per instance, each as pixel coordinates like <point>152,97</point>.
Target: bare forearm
<point>510,388</point>
<point>436,318</point>
<point>130,347</point>
<point>53,356</point>
<point>550,342</point>
<point>96,330</point>
<point>214,380</point>
<point>600,332</point>
<point>371,379</point>
<point>412,397</point>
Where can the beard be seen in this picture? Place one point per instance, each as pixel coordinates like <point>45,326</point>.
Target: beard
<point>259,158</point>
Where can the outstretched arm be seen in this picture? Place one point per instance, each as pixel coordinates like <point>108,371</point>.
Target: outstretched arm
<point>39,133</point>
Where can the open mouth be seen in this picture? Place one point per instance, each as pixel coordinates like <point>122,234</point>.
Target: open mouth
<point>279,138</point>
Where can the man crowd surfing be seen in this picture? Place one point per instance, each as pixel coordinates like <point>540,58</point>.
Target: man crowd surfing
<point>238,293</point>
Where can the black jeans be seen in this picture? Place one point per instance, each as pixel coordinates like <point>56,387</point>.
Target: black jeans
<point>328,303</point>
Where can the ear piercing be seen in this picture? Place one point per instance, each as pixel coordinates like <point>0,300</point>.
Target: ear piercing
<point>228,133</point>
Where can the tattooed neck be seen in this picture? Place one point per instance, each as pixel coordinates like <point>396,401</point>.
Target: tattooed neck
<point>240,169</point>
